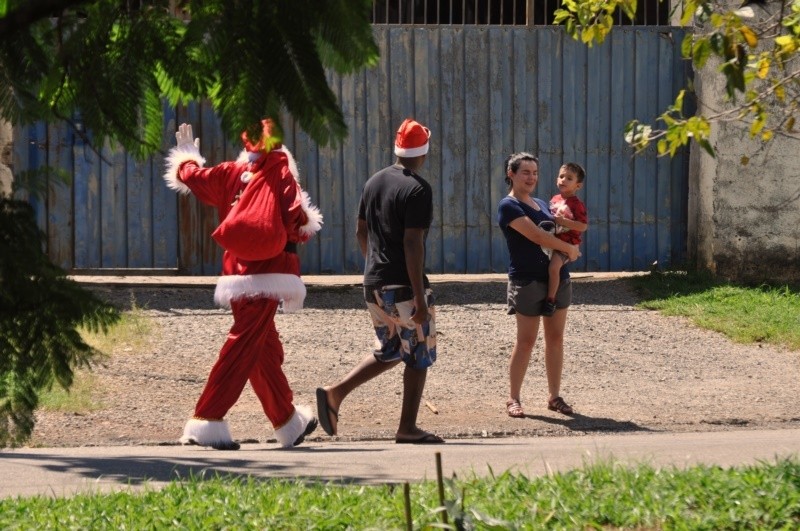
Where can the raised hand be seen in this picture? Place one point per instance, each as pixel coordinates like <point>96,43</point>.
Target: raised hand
<point>186,140</point>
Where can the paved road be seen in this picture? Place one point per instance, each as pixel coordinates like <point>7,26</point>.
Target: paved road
<point>65,471</point>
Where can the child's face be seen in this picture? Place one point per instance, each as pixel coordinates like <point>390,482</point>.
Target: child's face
<point>567,182</point>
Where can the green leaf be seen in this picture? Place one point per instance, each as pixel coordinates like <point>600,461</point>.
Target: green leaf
<point>265,57</point>
<point>758,124</point>
<point>40,311</point>
<point>687,45</point>
<point>706,147</point>
<point>717,42</point>
<point>689,11</point>
<point>701,52</point>
<point>786,43</point>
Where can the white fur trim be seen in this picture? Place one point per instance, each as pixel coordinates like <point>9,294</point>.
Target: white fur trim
<point>206,432</point>
<point>314,223</point>
<point>248,156</point>
<point>280,286</point>
<point>176,157</point>
<point>292,163</point>
<point>252,156</point>
<point>411,152</point>
<point>289,432</point>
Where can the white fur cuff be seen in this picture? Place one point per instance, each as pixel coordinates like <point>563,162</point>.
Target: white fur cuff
<point>206,432</point>
<point>175,158</point>
<point>314,223</point>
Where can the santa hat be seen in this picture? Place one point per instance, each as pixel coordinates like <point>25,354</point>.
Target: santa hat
<point>270,138</point>
<point>412,139</point>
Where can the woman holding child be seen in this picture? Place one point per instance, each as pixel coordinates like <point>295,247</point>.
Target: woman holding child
<point>527,225</point>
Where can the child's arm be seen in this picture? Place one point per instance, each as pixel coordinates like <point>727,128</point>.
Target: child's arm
<point>571,224</point>
<point>576,217</point>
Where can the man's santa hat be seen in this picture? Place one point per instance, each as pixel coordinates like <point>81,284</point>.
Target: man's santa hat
<point>412,139</point>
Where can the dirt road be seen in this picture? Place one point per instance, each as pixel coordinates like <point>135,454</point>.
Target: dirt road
<point>626,370</point>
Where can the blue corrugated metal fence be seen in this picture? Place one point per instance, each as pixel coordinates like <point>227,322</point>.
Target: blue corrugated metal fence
<point>484,92</point>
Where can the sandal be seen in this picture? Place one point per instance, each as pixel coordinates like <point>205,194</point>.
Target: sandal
<point>515,409</point>
<point>558,404</point>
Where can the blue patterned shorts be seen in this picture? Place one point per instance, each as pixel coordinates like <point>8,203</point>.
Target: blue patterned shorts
<point>401,338</point>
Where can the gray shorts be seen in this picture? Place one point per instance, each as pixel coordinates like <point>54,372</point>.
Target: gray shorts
<point>527,297</point>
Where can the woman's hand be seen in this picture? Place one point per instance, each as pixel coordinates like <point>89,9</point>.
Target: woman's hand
<point>573,253</point>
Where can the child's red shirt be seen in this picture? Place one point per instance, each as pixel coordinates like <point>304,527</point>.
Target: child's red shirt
<point>570,208</point>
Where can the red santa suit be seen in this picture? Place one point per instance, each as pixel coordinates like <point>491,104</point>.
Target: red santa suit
<point>253,289</point>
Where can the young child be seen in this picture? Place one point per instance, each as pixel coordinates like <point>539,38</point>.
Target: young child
<point>571,221</point>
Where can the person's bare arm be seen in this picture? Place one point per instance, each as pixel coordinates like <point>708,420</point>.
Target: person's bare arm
<point>361,235</point>
<point>414,247</point>
<point>525,226</point>
<point>571,224</point>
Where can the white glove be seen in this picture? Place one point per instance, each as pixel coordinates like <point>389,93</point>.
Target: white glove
<point>186,141</point>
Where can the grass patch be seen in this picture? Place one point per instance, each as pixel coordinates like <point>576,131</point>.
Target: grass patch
<point>77,400</point>
<point>746,314</point>
<point>600,496</point>
<point>132,332</point>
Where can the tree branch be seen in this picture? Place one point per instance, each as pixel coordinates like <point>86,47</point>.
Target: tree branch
<point>31,12</point>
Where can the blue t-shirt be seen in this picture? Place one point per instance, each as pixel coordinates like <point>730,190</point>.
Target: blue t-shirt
<point>528,261</point>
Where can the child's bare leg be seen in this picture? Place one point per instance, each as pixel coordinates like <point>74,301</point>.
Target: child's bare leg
<point>553,280</point>
<point>554,275</point>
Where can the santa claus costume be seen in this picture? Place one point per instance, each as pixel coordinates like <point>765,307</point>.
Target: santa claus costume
<point>256,278</point>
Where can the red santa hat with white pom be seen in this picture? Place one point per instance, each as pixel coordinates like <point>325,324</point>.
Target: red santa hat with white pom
<point>412,139</point>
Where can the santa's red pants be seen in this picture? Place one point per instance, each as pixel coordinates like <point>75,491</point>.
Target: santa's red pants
<point>253,351</point>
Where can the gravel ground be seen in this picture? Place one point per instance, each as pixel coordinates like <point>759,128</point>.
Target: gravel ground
<point>625,370</point>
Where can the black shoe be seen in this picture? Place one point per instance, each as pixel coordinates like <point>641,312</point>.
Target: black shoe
<point>310,427</point>
<point>225,445</point>
<point>548,308</point>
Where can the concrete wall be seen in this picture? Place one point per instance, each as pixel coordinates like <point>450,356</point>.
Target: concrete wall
<point>6,156</point>
<point>744,218</point>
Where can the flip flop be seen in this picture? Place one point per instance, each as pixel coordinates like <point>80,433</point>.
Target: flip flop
<point>324,411</point>
<point>427,438</point>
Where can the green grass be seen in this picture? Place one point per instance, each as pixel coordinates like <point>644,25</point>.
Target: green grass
<point>746,314</point>
<point>132,332</point>
<point>599,496</point>
<point>78,399</point>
